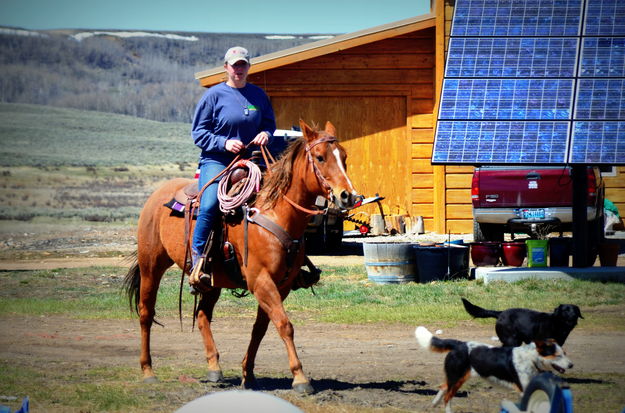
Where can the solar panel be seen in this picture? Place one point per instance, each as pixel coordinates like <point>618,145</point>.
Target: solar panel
<point>600,99</point>
<point>539,142</point>
<point>506,99</point>
<point>598,142</point>
<point>517,18</point>
<point>603,56</point>
<point>511,57</point>
<point>529,82</point>
<point>605,18</point>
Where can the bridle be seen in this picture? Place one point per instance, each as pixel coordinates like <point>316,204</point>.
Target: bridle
<point>323,182</point>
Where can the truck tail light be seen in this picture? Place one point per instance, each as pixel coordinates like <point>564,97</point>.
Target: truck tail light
<point>475,188</point>
<point>592,186</point>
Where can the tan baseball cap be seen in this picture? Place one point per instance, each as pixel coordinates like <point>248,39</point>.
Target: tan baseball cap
<point>236,54</point>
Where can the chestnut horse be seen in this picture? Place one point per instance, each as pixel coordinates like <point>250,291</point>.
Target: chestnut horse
<point>312,165</point>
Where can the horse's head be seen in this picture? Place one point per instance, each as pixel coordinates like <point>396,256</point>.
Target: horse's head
<point>327,158</point>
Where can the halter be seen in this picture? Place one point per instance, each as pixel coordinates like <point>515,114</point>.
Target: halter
<point>323,182</point>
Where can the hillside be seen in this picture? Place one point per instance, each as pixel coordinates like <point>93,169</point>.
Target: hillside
<point>46,136</point>
<point>140,73</point>
<point>94,166</point>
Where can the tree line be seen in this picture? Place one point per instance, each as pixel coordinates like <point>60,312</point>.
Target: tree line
<point>147,77</point>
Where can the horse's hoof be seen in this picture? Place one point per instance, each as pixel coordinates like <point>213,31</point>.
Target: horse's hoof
<point>249,385</point>
<point>215,376</point>
<point>303,388</point>
<point>150,380</point>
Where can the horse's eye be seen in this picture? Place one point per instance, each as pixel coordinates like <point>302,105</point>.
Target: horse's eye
<point>320,158</point>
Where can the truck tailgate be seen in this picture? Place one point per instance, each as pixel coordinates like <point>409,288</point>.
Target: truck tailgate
<point>523,187</point>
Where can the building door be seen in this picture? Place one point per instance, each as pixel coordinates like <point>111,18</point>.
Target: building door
<point>372,129</point>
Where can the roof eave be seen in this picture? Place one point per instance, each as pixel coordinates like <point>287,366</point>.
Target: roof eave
<point>310,50</point>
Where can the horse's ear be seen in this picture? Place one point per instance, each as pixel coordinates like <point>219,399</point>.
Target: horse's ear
<point>330,129</point>
<point>309,134</point>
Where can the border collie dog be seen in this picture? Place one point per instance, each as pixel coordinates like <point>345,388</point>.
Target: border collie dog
<point>516,326</point>
<point>512,367</point>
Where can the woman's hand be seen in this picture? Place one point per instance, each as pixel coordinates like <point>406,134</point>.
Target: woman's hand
<point>234,145</point>
<point>261,139</point>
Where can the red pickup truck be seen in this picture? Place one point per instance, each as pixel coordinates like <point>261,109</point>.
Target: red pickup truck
<point>532,200</point>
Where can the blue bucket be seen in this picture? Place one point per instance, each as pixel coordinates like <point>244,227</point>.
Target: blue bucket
<point>442,262</point>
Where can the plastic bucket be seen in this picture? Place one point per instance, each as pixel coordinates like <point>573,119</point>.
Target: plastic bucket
<point>537,252</point>
<point>390,263</point>
<point>608,254</point>
<point>442,262</point>
<point>513,253</point>
<point>559,251</point>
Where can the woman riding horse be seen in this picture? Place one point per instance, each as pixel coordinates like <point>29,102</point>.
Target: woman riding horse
<point>313,165</point>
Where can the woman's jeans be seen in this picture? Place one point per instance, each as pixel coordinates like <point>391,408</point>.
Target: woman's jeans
<point>209,205</point>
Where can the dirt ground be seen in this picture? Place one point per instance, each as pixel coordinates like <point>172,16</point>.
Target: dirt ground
<point>351,366</point>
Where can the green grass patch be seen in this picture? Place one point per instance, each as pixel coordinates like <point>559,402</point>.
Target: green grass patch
<point>344,295</point>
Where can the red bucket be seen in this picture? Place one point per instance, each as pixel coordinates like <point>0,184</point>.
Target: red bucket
<point>485,253</point>
<point>513,253</point>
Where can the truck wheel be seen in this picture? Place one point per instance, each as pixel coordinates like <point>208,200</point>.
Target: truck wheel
<point>487,232</point>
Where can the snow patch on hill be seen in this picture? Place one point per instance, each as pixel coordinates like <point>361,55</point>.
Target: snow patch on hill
<point>125,34</point>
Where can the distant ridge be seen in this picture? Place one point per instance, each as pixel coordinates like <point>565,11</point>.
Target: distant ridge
<point>141,73</point>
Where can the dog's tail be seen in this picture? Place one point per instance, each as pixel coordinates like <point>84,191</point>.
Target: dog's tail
<point>429,341</point>
<point>479,312</point>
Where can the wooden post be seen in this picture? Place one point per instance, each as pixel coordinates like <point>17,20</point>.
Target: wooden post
<point>439,202</point>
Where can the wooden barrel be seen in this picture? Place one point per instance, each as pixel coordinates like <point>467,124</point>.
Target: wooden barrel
<point>390,263</point>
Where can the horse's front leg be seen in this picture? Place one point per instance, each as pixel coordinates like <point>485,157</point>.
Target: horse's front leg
<point>204,319</point>
<point>270,301</point>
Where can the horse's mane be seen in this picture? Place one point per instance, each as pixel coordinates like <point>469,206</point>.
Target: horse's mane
<point>278,180</point>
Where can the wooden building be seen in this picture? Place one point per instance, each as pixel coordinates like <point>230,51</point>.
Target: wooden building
<point>380,88</point>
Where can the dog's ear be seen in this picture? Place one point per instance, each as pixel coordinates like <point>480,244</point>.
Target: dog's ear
<point>546,347</point>
<point>577,311</point>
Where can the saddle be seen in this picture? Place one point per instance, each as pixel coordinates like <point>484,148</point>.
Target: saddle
<point>185,203</point>
<point>186,198</point>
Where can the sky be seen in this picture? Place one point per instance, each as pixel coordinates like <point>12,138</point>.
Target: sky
<point>220,16</point>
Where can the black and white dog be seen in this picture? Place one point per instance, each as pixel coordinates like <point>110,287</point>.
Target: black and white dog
<point>512,367</point>
<point>516,326</point>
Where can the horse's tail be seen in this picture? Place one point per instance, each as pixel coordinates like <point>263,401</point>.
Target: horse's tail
<point>132,284</point>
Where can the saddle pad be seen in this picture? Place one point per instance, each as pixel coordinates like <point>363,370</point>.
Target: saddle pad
<point>177,208</point>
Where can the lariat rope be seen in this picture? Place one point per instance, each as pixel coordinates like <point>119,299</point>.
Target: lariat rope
<point>251,185</point>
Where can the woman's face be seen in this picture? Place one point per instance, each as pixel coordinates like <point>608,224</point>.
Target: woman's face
<point>238,71</point>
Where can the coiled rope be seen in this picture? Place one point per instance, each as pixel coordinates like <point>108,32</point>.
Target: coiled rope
<point>250,186</point>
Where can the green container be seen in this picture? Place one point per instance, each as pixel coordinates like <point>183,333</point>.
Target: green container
<point>537,252</point>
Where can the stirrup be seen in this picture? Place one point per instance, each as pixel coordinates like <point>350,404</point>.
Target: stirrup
<point>199,281</point>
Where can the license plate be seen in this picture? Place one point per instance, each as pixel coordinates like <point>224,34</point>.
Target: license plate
<point>533,213</point>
